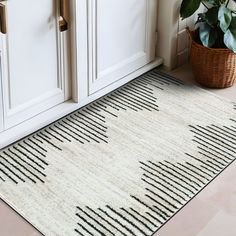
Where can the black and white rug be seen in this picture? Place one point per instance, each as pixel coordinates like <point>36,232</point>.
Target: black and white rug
<point>123,165</point>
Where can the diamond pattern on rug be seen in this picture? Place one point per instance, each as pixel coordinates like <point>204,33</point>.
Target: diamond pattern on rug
<point>169,185</point>
<point>27,159</point>
<point>123,165</point>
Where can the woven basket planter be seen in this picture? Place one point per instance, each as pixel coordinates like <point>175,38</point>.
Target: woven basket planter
<point>212,67</point>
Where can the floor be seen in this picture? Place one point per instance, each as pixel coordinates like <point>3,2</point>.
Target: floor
<point>210,213</point>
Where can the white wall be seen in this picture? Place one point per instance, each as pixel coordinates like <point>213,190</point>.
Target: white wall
<point>173,41</point>
<point>167,31</point>
<point>183,41</point>
<point>232,4</point>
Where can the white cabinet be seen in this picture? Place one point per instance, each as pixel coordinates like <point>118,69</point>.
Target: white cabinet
<point>121,39</point>
<point>32,63</point>
<point>1,104</point>
<point>109,43</point>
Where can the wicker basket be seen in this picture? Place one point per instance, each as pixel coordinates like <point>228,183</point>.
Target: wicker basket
<point>214,68</point>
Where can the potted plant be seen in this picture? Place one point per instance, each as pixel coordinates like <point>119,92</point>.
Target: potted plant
<point>213,51</point>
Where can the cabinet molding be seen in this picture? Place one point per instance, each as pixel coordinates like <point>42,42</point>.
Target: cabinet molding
<point>79,42</point>
<point>32,64</point>
<point>1,100</point>
<point>26,128</point>
<point>121,39</point>
<point>86,80</point>
<point>79,25</point>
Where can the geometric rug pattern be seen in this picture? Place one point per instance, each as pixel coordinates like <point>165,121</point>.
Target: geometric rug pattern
<point>124,164</point>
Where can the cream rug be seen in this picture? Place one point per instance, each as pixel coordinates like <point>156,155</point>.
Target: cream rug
<point>123,165</point>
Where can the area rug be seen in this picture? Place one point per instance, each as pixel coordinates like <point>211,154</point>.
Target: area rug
<point>123,165</point>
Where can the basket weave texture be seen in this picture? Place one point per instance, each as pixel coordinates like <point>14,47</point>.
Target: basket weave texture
<point>212,67</point>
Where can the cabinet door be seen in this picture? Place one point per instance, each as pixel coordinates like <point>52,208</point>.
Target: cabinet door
<point>122,37</point>
<point>32,65</point>
<point>1,104</point>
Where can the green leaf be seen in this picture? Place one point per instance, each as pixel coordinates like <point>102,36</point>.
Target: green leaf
<point>208,35</point>
<point>188,7</point>
<point>225,17</point>
<point>211,16</point>
<point>230,36</point>
<point>211,3</point>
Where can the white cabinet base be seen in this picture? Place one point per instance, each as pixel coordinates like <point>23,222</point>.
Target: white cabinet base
<point>26,128</point>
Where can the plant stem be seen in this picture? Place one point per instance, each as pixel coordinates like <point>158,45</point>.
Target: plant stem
<point>227,3</point>
<point>205,5</point>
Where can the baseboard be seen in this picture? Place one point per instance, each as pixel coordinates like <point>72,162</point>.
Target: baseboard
<point>30,126</point>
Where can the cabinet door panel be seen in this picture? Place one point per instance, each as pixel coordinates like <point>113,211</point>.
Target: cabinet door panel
<point>1,103</point>
<point>121,38</point>
<point>32,80</point>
